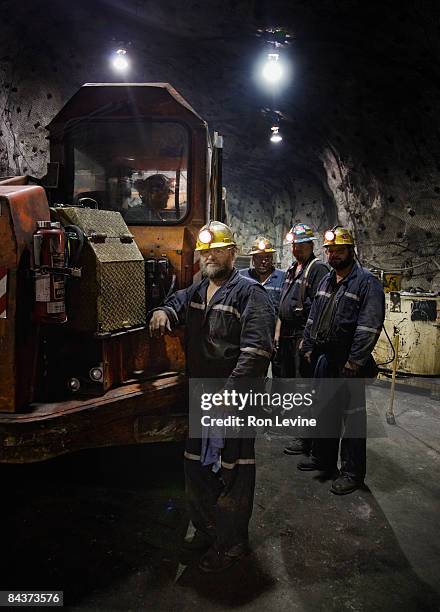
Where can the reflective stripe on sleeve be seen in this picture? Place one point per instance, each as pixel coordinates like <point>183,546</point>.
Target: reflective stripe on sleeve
<point>324,293</point>
<point>225,308</point>
<point>353,296</point>
<point>191,456</point>
<point>197,305</point>
<point>372,330</point>
<point>256,351</point>
<point>231,466</point>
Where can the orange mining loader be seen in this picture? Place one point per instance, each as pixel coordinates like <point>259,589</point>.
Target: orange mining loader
<point>85,253</point>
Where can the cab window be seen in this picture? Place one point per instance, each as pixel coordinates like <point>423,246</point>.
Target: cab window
<point>137,168</point>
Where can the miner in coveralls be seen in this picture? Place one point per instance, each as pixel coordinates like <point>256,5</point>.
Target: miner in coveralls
<point>300,286</point>
<point>230,325</point>
<point>264,270</point>
<point>342,329</point>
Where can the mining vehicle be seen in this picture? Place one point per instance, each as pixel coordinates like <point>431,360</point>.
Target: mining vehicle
<point>85,253</point>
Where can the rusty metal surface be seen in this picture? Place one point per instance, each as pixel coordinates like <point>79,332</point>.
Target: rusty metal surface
<point>14,180</point>
<point>27,205</point>
<point>125,357</point>
<point>176,242</point>
<point>119,417</point>
<point>117,99</point>
<point>133,413</point>
<point>21,207</point>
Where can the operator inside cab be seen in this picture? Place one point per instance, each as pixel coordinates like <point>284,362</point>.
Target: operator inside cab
<point>140,169</point>
<point>154,192</point>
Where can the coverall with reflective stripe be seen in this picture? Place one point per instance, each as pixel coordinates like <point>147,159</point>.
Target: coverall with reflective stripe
<point>273,284</point>
<point>355,324</point>
<point>287,363</point>
<point>230,338</point>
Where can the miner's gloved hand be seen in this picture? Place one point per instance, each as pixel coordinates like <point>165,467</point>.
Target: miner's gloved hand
<point>159,324</point>
<point>350,370</point>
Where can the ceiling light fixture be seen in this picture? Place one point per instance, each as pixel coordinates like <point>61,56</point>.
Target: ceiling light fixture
<point>120,60</point>
<point>272,69</point>
<point>276,136</point>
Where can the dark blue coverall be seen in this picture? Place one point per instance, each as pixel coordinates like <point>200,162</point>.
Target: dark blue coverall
<point>293,317</point>
<point>273,284</point>
<point>229,338</point>
<point>350,334</point>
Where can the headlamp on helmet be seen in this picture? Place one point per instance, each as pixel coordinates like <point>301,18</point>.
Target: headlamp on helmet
<point>205,236</point>
<point>300,233</point>
<point>214,235</point>
<point>338,235</point>
<point>261,245</point>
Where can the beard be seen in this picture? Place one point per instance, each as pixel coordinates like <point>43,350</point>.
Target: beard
<point>215,271</point>
<point>341,264</point>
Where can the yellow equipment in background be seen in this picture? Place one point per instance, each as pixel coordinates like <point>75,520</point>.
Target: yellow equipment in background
<point>416,316</point>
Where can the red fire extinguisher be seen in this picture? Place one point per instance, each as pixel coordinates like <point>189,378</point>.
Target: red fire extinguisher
<point>49,253</point>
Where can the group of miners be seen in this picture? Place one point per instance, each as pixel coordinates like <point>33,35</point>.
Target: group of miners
<point>316,320</point>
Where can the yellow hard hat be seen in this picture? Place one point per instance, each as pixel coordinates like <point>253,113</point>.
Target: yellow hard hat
<point>261,245</point>
<point>300,233</point>
<point>214,235</point>
<point>338,235</point>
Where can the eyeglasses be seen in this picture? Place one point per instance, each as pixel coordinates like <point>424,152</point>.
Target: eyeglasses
<point>216,252</point>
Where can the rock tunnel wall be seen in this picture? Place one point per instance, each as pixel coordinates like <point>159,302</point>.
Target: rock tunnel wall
<point>395,215</point>
<point>258,208</point>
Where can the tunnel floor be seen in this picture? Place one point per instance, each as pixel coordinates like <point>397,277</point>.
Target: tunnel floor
<point>105,526</point>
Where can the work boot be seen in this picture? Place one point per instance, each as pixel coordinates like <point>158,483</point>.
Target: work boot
<point>296,447</point>
<point>312,464</point>
<point>200,542</point>
<point>217,561</point>
<point>345,484</point>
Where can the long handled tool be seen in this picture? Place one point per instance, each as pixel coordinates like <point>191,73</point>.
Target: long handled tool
<point>391,420</point>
